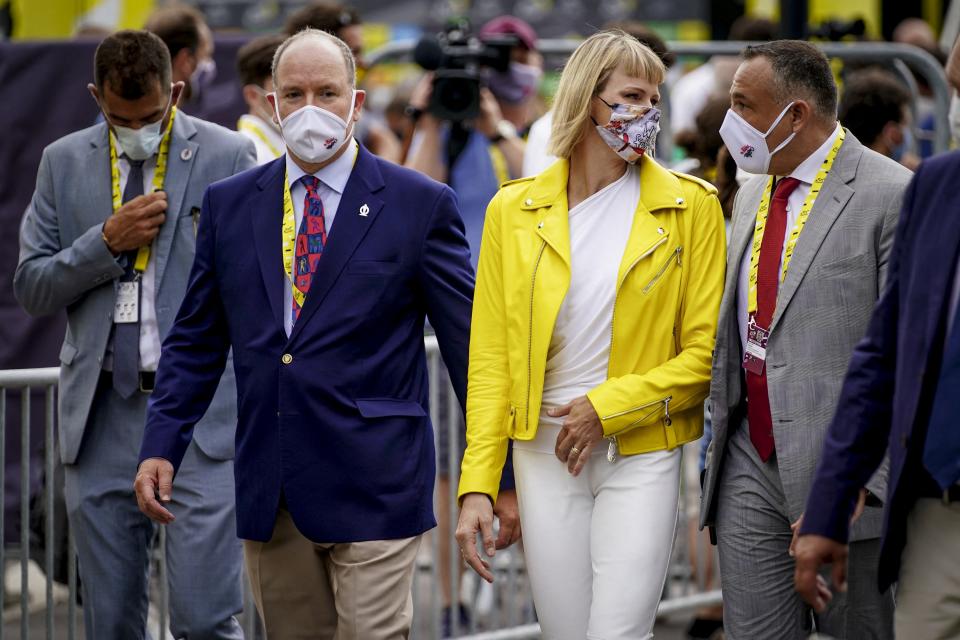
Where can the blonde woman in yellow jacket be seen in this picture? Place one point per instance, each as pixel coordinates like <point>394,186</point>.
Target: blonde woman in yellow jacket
<point>594,316</point>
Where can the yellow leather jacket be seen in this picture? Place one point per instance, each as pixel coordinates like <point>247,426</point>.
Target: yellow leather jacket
<point>662,331</point>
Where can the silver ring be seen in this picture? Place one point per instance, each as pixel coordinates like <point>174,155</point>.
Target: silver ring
<point>575,451</point>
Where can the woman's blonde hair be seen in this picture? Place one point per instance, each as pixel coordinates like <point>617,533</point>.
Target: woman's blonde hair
<point>586,74</point>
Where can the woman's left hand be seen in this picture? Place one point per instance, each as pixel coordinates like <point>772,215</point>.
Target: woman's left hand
<point>581,431</point>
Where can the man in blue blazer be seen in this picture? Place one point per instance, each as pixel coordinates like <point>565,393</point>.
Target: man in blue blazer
<point>319,269</point>
<point>902,392</point>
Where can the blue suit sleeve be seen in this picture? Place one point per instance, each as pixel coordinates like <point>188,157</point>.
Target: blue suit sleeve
<point>193,356</point>
<point>857,438</point>
<point>447,281</point>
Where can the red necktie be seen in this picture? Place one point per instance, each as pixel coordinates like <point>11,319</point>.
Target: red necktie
<point>768,283</point>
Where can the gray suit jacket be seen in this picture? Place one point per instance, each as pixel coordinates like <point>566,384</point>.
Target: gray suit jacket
<point>64,262</point>
<point>823,308</point>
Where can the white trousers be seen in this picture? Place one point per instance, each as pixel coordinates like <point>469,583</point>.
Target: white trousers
<point>597,546</point>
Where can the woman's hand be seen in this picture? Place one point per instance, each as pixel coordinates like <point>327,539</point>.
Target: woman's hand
<point>476,515</point>
<point>581,431</point>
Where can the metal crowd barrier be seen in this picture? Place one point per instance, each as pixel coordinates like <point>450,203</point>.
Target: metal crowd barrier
<point>503,610</point>
<point>898,54</point>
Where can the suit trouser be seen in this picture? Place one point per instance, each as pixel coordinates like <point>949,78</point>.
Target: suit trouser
<point>113,538</point>
<point>928,593</point>
<point>343,591</point>
<point>597,546</point>
<point>756,570</point>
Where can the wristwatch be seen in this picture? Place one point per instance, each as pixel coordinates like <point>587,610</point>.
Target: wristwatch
<point>505,131</point>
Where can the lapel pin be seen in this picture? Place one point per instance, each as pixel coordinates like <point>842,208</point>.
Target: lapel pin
<point>186,154</point>
<point>364,211</point>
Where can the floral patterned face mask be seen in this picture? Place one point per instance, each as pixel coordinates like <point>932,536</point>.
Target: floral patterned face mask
<point>631,131</point>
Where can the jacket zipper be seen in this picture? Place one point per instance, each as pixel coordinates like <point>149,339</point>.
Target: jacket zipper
<point>663,269</point>
<point>612,448</point>
<point>667,421</point>
<point>533,284</point>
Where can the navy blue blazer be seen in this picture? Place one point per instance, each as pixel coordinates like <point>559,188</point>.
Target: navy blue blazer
<point>889,387</point>
<point>335,417</point>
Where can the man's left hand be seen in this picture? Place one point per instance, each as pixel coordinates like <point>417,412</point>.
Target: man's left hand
<point>812,551</point>
<point>857,512</point>
<point>508,512</point>
<point>581,431</point>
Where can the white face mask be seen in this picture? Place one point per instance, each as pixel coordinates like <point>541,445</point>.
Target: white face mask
<point>747,145</point>
<point>140,144</point>
<point>314,134</point>
<point>954,117</point>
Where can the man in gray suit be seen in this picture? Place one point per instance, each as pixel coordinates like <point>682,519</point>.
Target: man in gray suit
<point>109,236</point>
<point>808,254</point>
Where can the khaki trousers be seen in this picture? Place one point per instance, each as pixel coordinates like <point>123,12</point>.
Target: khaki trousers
<point>928,593</point>
<point>344,591</point>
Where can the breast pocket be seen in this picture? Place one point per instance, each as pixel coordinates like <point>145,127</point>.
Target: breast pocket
<point>372,268</point>
<point>847,267</point>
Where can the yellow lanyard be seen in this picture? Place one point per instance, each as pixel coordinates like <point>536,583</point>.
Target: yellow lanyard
<point>289,245</point>
<point>289,232</point>
<point>143,253</point>
<point>795,234</point>
<point>246,125</point>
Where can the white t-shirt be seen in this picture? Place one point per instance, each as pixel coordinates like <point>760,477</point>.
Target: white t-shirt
<point>535,155</point>
<point>579,352</point>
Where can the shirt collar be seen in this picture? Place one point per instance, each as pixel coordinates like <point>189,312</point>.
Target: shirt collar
<point>807,170</point>
<point>334,175</point>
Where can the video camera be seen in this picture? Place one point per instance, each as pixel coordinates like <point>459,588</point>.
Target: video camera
<point>458,60</point>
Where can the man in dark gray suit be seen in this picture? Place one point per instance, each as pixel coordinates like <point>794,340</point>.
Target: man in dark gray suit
<point>110,236</point>
<point>808,254</point>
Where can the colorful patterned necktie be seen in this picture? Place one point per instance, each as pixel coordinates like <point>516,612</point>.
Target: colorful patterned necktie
<point>311,239</point>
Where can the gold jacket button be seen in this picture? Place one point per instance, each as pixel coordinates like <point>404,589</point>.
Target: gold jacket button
<point>286,359</point>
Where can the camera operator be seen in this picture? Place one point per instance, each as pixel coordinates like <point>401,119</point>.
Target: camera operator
<point>477,155</point>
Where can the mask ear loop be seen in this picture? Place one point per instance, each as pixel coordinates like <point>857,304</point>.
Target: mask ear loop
<point>276,108</point>
<point>774,125</point>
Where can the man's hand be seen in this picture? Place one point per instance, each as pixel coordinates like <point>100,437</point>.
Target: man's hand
<point>136,223</point>
<point>508,512</point>
<point>861,504</point>
<point>581,431</point>
<point>857,512</point>
<point>812,551</point>
<point>490,114</point>
<point>155,476</point>
<point>476,515</point>
<point>420,96</point>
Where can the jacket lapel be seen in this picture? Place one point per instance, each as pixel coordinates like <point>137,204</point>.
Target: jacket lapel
<point>830,203</point>
<point>943,232</point>
<point>99,184</point>
<point>266,216</point>
<point>349,228</point>
<point>547,197</point>
<point>183,150</point>
<point>659,189</point>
